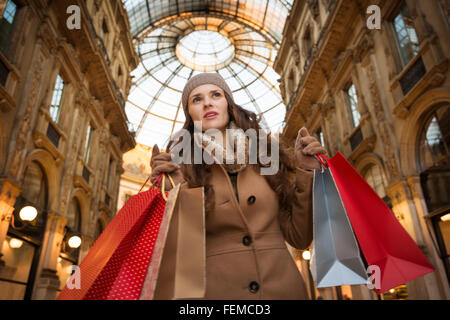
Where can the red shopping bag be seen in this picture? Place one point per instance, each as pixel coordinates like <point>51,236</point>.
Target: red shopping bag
<point>382,239</point>
<point>116,265</point>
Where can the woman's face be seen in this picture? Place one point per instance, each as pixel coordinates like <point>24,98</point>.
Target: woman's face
<point>207,103</point>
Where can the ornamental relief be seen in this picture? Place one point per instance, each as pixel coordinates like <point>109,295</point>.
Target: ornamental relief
<point>25,125</point>
<point>382,126</point>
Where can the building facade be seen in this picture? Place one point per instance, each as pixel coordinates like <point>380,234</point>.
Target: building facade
<point>136,170</point>
<point>377,89</point>
<point>64,80</point>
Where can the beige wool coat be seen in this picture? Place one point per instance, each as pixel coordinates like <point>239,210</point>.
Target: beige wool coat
<point>246,257</point>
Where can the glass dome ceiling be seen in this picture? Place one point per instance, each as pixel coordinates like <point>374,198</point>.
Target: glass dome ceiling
<point>176,40</point>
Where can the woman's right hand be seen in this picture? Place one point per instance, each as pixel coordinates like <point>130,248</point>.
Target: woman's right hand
<point>161,162</point>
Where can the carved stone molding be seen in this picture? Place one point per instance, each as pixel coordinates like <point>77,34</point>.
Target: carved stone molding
<point>314,8</point>
<point>26,119</point>
<point>295,52</point>
<point>365,46</point>
<point>390,158</point>
<point>41,141</point>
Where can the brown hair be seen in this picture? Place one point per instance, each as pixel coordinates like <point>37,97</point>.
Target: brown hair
<point>197,175</point>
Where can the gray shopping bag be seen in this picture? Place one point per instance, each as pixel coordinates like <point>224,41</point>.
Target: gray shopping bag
<point>337,260</point>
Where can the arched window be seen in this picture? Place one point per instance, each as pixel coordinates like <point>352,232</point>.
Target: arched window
<point>434,141</point>
<point>74,215</point>
<point>434,158</point>
<point>376,178</point>
<point>35,185</point>
<point>434,165</point>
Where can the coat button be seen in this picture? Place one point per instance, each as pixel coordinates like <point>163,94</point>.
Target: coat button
<point>253,287</point>
<point>247,240</point>
<point>251,200</point>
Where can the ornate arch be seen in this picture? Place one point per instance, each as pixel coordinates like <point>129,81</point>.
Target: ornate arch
<point>367,159</point>
<point>48,163</point>
<point>102,217</point>
<point>83,200</point>
<point>414,122</point>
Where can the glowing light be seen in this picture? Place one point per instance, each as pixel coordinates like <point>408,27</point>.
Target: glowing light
<point>74,242</point>
<point>306,255</point>
<point>28,213</point>
<point>446,217</point>
<point>15,243</point>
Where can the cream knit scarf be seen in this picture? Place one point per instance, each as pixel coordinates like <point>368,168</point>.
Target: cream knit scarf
<point>232,161</point>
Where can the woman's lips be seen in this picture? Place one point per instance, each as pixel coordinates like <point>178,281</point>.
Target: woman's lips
<point>211,116</point>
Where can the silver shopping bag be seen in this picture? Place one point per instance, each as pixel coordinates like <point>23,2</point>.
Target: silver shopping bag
<point>336,256</point>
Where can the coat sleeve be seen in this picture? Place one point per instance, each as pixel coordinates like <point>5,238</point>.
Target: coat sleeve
<point>296,224</point>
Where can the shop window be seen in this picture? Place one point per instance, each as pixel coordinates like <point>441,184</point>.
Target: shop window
<point>434,163</point>
<point>22,245</point>
<point>17,254</point>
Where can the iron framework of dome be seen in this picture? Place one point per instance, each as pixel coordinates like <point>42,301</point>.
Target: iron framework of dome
<point>176,40</point>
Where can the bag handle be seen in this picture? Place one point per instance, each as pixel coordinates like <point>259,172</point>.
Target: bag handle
<point>163,192</point>
<point>156,180</point>
<point>160,182</point>
<point>322,159</point>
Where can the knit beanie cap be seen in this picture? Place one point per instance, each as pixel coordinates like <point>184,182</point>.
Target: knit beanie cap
<point>201,79</point>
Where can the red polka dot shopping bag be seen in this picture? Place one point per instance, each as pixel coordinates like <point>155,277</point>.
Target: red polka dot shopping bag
<point>131,249</point>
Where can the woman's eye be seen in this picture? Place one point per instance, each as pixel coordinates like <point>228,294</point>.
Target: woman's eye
<point>217,94</point>
<point>195,100</point>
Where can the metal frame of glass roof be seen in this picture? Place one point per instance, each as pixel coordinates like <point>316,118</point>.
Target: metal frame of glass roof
<point>253,29</point>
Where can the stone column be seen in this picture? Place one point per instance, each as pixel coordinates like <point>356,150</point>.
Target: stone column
<point>436,282</point>
<point>9,190</point>
<point>405,210</point>
<point>47,283</point>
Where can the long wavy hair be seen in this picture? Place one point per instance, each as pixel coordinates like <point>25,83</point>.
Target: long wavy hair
<point>197,175</point>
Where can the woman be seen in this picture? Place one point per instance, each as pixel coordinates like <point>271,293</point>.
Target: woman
<point>248,215</point>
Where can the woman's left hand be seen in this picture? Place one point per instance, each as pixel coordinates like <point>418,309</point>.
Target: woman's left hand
<point>306,147</point>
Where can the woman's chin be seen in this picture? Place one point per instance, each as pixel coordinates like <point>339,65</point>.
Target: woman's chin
<point>213,124</point>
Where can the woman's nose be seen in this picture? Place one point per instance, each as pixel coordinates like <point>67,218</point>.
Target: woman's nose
<point>207,102</point>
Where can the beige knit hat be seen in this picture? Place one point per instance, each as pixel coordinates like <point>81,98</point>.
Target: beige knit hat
<point>204,78</point>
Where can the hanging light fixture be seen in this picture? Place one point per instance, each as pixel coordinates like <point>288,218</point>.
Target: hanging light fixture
<point>28,213</point>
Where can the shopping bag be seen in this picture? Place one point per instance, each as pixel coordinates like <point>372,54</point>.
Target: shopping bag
<point>337,260</point>
<point>384,242</point>
<point>178,267</point>
<point>115,266</point>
